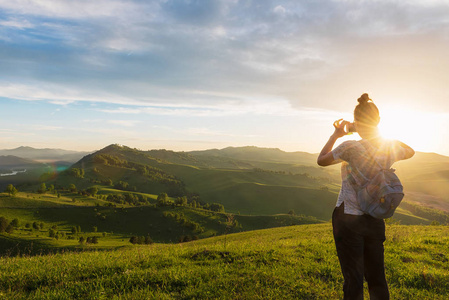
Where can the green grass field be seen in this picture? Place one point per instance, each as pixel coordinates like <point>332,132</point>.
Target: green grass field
<point>297,262</point>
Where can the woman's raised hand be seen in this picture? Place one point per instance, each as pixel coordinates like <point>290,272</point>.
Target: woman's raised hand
<point>339,126</point>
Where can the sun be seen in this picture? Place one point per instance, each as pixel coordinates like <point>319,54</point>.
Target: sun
<point>420,130</point>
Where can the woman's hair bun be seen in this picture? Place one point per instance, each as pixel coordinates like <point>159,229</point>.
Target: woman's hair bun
<point>364,99</point>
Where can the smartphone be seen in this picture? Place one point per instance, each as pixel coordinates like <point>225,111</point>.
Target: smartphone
<point>351,128</point>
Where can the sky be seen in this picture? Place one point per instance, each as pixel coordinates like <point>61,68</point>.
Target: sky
<point>197,74</point>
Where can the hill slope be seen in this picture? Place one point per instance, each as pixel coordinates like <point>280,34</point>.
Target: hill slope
<point>250,191</point>
<point>38,215</point>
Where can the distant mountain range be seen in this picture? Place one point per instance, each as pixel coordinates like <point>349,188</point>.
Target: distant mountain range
<point>44,155</point>
<point>11,161</point>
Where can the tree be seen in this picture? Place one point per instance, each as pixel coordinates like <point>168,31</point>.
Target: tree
<point>92,191</point>
<point>3,224</point>
<point>133,240</point>
<point>72,188</point>
<point>9,228</point>
<point>11,190</point>
<point>148,240</point>
<point>15,222</point>
<point>77,173</point>
<point>36,226</point>
<point>217,207</point>
<point>182,201</point>
<point>122,185</point>
<point>42,189</point>
<point>52,233</point>
<point>140,240</point>
<point>162,199</point>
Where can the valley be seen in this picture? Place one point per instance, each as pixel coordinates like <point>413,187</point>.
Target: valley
<point>120,192</point>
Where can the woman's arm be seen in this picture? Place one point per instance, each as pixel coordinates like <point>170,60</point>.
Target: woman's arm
<point>326,158</point>
<point>409,152</point>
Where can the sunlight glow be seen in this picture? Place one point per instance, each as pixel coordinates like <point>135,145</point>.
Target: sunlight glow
<point>420,130</point>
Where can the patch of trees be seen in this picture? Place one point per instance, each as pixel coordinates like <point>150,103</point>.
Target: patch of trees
<point>141,240</point>
<point>76,172</point>
<point>163,200</point>
<point>92,191</point>
<point>11,190</point>
<point>72,188</point>
<point>180,218</point>
<point>76,229</point>
<point>111,160</point>
<point>54,233</point>
<point>215,207</point>
<point>8,226</point>
<point>42,189</point>
<point>189,201</point>
<point>88,240</point>
<point>130,198</point>
<point>34,225</point>
<point>124,186</point>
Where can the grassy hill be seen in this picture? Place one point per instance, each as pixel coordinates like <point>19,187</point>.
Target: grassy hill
<point>250,191</point>
<point>296,262</point>
<point>115,224</point>
<point>257,197</point>
<point>425,178</point>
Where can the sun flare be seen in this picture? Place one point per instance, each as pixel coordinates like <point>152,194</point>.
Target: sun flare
<point>420,130</point>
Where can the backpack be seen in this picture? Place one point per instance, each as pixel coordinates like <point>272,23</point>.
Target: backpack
<point>381,194</point>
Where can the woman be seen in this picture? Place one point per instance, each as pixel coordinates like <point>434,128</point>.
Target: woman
<point>359,237</point>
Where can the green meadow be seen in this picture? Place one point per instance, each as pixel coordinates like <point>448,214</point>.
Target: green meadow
<point>221,224</point>
<point>296,262</point>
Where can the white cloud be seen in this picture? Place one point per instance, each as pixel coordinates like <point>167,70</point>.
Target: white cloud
<point>188,52</point>
<point>79,9</point>
<point>17,23</point>
<point>279,10</point>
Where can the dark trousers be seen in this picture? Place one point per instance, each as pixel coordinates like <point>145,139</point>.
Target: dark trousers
<point>359,241</point>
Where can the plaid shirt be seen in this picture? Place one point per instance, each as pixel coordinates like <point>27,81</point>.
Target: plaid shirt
<point>361,159</point>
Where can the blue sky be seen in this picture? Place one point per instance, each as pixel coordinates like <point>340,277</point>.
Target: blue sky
<point>192,74</point>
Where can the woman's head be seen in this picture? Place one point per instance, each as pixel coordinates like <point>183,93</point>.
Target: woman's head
<point>366,116</point>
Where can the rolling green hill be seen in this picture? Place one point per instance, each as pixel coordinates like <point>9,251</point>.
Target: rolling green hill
<point>298,262</point>
<point>112,195</point>
<point>249,191</point>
